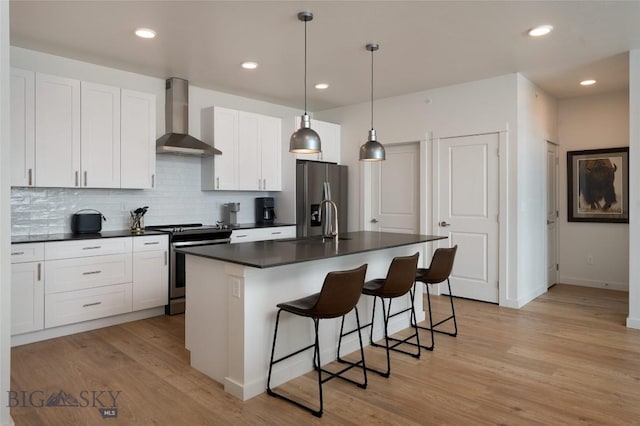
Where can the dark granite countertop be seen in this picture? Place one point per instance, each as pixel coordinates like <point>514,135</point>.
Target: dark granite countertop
<point>18,239</point>
<point>267,254</point>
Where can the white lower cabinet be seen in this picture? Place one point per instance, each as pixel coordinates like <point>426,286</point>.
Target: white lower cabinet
<point>150,272</point>
<point>65,282</point>
<point>262,234</point>
<point>27,288</point>
<point>82,305</point>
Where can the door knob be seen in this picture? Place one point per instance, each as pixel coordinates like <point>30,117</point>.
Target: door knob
<point>443,223</point>
<point>374,220</point>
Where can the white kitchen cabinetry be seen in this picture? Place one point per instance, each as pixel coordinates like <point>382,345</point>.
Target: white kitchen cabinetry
<point>262,234</point>
<point>87,279</point>
<point>23,140</point>
<point>329,139</point>
<point>57,131</point>
<point>220,129</point>
<point>150,271</point>
<point>251,151</point>
<point>138,140</point>
<point>100,136</point>
<point>27,288</point>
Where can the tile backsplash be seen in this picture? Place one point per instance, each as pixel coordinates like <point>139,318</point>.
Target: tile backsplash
<point>177,198</point>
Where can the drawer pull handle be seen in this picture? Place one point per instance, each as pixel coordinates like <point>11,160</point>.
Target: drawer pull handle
<point>91,247</point>
<point>91,272</point>
<point>241,236</point>
<point>276,233</point>
<point>152,243</point>
<point>39,271</point>
<point>17,253</point>
<point>86,305</point>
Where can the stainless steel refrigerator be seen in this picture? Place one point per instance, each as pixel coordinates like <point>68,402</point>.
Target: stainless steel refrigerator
<point>316,181</point>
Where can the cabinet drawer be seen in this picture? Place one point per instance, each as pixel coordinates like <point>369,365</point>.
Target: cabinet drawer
<point>83,305</point>
<point>30,252</point>
<point>150,243</point>
<point>75,274</point>
<point>277,232</point>
<point>85,248</point>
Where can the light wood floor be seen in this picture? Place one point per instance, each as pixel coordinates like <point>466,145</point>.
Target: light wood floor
<point>565,358</point>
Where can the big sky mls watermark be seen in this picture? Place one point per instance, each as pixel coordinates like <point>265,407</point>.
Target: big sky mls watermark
<point>104,400</point>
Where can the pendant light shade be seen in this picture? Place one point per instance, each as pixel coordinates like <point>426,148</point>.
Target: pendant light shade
<point>305,140</point>
<point>372,150</point>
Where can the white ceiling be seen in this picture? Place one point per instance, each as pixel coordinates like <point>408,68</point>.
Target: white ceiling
<point>423,44</point>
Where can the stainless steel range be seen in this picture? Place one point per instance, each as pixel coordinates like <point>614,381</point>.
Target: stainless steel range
<point>186,235</point>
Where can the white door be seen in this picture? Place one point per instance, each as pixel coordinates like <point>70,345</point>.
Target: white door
<point>395,190</point>
<point>23,141</point>
<point>225,138</point>
<point>552,213</point>
<point>138,139</point>
<point>57,131</point>
<point>271,153</point>
<point>249,177</point>
<point>100,135</point>
<point>466,190</point>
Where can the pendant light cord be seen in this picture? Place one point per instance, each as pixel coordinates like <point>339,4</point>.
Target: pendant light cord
<point>371,89</point>
<point>305,67</point>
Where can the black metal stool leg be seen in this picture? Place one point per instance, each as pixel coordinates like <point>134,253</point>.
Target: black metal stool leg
<point>453,311</point>
<point>317,353</point>
<point>273,350</point>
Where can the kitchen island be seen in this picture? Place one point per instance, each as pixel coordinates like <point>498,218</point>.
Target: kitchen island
<point>233,290</point>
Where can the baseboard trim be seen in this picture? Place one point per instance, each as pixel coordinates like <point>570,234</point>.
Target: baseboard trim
<point>633,323</point>
<point>65,330</point>
<point>613,285</point>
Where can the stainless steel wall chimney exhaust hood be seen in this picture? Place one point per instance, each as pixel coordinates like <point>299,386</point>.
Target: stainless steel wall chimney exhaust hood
<point>177,140</point>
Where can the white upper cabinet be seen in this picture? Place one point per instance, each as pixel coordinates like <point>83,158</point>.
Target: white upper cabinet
<point>68,133</point>
<point>57,131</point>
<point>249,174</point>
<point>329,138</point>
<point>100,136</point>
<point>138,139</point>
<point>220,129</point>
<point>251,151</point>
<point>23,141</point>
<point>271,153</point>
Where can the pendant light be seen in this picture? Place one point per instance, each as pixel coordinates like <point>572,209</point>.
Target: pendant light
<point>305,140</point>
<point>372,150</point>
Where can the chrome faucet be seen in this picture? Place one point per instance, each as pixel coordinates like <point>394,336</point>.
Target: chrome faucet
<point>334,233</point>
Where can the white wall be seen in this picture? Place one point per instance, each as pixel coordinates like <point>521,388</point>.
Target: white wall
<point>5,277</point>
<point>177,198</point>
<point>633,320</point>
<point>592,122</point>
<point>537,123</point>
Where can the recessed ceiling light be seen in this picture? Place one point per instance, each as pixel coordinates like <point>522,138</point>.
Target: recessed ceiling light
<point>249,65</point>
<point>145,33</point>
<point>322,86</point>
<point>587,82</point>
<point>540,30</point>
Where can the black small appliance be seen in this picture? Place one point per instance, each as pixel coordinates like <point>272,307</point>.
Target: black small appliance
<point>265,211</point>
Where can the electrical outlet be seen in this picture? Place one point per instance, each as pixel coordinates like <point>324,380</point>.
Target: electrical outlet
<point>589,259</point>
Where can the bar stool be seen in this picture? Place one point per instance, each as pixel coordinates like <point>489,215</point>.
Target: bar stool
<point>339,295</point>
<point>399,281</point>
<point>438,271</point>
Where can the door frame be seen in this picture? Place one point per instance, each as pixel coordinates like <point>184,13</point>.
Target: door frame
<point>506,288</point>
<point>557,233</point>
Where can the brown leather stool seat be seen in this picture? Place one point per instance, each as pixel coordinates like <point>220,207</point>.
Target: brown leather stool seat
<point>439,271</point>
<point>399,282</point>
<point>339,295</point>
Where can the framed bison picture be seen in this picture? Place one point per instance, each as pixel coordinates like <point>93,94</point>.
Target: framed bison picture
<point>598,185</point>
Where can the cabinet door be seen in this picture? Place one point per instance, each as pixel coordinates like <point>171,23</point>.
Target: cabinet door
<point>57,131</point>
<point>138,140</point>
<point>100,136</point>
<point>249,175</point>
<point>225,136</point>
<point>330,138</point>
<point>23,141</point>
<point>27,297</point>
<point>271,153</point>
<point>150,279</point>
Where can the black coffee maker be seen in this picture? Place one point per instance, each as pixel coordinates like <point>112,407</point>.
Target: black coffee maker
<point>265,212</point>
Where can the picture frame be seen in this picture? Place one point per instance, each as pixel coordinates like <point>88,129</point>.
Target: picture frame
<point>598,185</point>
